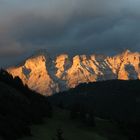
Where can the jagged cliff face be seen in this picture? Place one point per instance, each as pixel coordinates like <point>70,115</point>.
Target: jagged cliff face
<point>48,76</point>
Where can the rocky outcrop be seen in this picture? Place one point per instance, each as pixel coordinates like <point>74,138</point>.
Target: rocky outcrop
<point>48,76</point>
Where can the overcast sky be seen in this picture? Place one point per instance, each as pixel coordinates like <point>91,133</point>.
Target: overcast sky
<point>73,26</point>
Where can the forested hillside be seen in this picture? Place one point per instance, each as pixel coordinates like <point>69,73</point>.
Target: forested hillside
<point>117,101</point>
<point>19,108</point>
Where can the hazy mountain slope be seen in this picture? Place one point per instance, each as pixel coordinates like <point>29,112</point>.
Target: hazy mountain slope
<point>47,76</point>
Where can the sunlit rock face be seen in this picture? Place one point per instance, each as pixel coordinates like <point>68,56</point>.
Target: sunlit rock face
<point>34,73</point>
<point>48,76</point>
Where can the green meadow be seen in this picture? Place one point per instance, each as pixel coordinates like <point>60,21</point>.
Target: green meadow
<point>74,129</point>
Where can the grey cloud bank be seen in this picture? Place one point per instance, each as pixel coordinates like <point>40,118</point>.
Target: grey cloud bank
<point>73,26</point>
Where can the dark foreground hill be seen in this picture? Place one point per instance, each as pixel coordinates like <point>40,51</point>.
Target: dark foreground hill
<point>118,101</point>
<point>19,108</point>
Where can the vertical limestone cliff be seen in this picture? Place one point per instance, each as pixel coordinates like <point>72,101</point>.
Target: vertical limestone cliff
<point>48,76</point>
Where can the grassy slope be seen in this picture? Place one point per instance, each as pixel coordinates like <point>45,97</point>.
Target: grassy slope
<point>74,130</point>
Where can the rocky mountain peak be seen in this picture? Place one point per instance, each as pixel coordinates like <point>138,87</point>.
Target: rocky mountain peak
<point>47,76</point>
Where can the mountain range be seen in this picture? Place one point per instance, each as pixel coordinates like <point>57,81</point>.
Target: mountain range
<point>48,75</point>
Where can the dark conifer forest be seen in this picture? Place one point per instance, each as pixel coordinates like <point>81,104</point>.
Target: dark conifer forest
<point>19,108</point>
<point>117,101</point>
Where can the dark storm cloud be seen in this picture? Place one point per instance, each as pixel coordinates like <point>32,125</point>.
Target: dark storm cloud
<point>75,26</point>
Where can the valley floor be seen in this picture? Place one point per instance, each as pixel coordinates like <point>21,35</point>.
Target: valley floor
<point>74,130</point>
